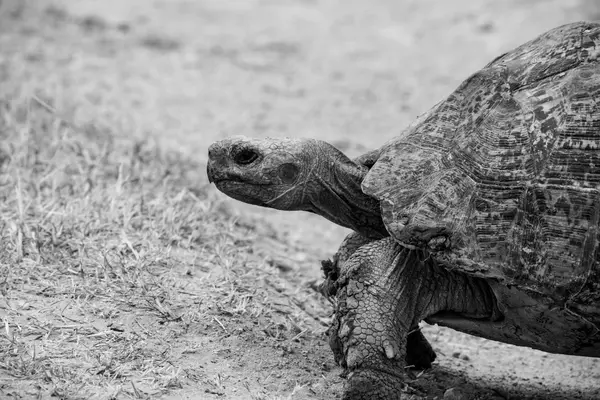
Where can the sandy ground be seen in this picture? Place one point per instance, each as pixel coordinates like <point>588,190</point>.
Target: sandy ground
<point>350,72</point>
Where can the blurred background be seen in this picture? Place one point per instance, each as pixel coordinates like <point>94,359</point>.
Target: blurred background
<point>184,73</point>
<point>189,72</point>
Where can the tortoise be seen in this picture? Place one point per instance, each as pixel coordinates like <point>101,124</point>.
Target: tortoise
<point>483,215</point>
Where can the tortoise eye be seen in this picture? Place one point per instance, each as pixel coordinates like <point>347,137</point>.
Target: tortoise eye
<point>245,156</point>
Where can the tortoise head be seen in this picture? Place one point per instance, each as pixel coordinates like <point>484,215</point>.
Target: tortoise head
<point>272,173</point>
<point>295,174</point>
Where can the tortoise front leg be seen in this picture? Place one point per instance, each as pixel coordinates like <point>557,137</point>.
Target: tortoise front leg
<point>419,353</point>
<point>382,291</point>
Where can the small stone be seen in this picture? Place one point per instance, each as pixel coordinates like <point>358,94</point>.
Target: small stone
<point>486,27</point>
<point>455,394</point>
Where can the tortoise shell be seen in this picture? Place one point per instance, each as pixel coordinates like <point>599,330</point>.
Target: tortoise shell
<point>506,170</point>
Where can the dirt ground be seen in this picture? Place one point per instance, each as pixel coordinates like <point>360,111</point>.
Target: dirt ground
<point>183,74</point>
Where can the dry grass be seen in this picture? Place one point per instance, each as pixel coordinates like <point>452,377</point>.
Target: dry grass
<point>111,255</point>
<point>120,271</point>
<point>88,227</point>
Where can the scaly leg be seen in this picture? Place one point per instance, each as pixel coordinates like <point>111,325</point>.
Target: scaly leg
<point>419,352</point>
<point>382,291</point>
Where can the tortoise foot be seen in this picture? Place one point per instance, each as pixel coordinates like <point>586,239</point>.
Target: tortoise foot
<point>371,384</point>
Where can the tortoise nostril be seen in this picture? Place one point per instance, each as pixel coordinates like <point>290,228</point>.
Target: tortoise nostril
<point>209,173</point>
<point>212,150</point>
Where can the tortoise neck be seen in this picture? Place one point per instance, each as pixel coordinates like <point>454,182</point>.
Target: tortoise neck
<point>340,199</point>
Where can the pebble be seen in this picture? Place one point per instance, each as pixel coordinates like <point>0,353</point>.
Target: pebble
<point>456,394</point>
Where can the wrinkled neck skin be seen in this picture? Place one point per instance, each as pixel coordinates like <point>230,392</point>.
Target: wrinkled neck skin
<point>334,191</point>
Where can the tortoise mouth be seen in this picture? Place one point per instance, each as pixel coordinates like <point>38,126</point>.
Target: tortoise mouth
<point>236,182</point>
<point>221,179</point>
<point>238,190</point>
